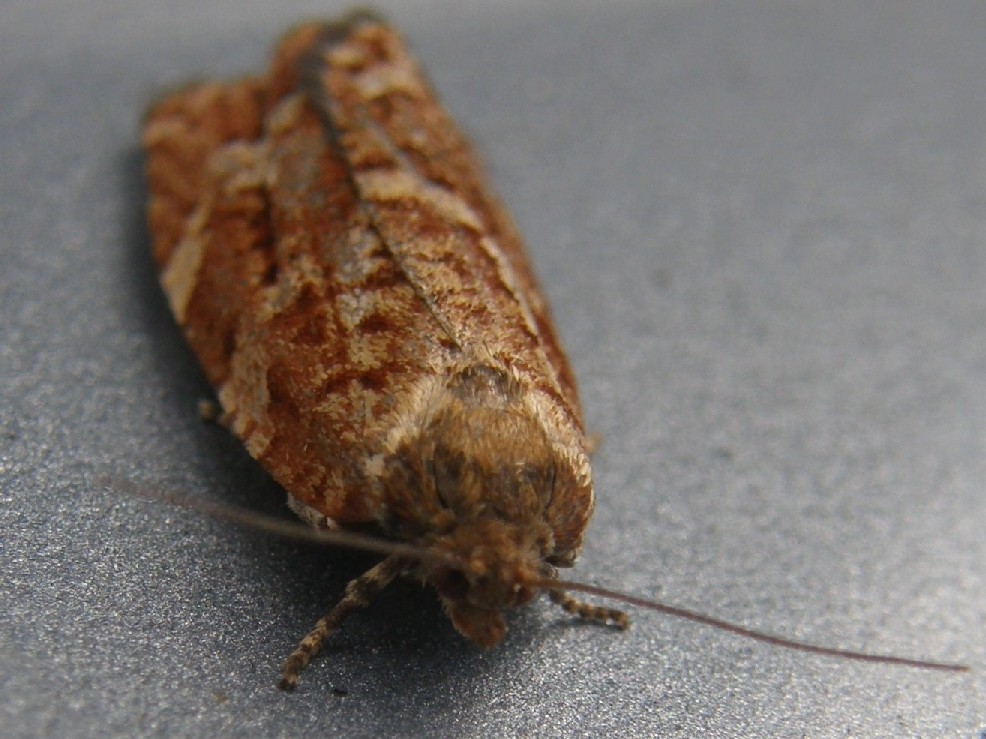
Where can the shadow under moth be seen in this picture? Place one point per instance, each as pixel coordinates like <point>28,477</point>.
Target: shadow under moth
<point>366,312</point>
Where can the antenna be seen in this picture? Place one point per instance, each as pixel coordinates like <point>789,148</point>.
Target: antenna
<point>777,641</point>
<point>379,545</point>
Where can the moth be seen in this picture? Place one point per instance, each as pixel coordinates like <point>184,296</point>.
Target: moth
<point>364,307</point>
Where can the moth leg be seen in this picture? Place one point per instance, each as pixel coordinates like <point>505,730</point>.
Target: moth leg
<point>589,612</point>
<point>210,411</point>
<point>358,594</point>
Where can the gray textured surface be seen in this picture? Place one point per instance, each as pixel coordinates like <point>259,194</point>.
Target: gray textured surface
<point>763,230</point>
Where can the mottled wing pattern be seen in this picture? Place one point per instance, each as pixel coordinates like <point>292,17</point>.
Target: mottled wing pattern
<point>285,295</point>
<point>321,249</point>
<point>425,193</point>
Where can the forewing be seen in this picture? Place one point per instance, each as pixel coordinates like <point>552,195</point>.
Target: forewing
<point>423,191</point>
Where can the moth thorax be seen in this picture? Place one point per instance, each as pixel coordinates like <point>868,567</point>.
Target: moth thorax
<point>487,453</point>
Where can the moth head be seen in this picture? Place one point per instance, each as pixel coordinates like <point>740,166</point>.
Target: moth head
<point>492,566</point>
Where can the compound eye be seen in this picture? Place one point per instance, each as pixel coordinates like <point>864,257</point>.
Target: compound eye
<point>447,470</point>
<point>450,583</point>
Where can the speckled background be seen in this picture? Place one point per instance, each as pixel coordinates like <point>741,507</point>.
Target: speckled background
<point>762,226</point>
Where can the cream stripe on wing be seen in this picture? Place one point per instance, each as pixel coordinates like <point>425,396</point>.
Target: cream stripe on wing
<point>390,184</point>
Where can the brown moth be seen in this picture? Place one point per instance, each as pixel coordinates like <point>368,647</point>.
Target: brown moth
<point>364,308</point>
